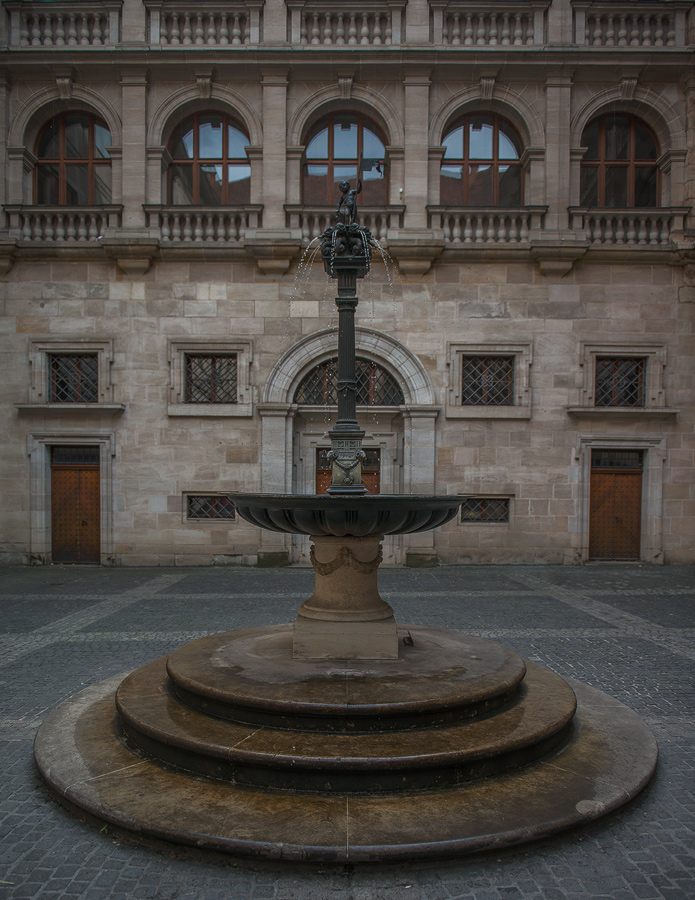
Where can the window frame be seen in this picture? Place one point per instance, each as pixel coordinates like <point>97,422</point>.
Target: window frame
<point>465,161</point>
<point>522,354</point>
<point>654,391</point>
<point>331,160</point>
<point>62,161</point>
<point>178,350</point>
<point>359,359</point>
<point>478,523</point>
<point>196,161</point>
<point>631,163</point>
<point>40,353</point>
<point>204,520</point>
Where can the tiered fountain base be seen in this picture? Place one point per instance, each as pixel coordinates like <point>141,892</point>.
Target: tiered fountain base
<point>232,744</point>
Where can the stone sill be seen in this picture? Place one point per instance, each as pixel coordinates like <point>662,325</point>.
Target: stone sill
<point>621,411</point>
<point>488,412</point>
<point>71,407</point>
<point>210,410</point>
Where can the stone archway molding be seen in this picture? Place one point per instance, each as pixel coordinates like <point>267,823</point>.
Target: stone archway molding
<point>34,113</point>
<point>646,103</point>
<point>382,348</point>
<point>190,96</point>
<point>506,102</point>
<point>361,98</point>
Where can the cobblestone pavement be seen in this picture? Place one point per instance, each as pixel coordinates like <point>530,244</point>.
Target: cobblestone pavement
<point>628,630</point>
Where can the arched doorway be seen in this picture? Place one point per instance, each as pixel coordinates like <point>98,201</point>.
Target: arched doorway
<point>396,412</point>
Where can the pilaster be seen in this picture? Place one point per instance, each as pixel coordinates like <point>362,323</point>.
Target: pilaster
<point>134,106</point>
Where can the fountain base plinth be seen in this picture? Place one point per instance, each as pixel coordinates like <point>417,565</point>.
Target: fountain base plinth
<point>345,618</point>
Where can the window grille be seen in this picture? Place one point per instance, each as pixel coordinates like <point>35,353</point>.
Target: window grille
<point>375,386</point>
<point>71,456</point>
<point>619,381</point>
<point>211,378</point>
<point>487,381</point>
<point>485,509</point>
<point>209,506</point>
<point>619,167</point>
<point>616,459</point>
<point>73,163</point>
<point>73,378</point>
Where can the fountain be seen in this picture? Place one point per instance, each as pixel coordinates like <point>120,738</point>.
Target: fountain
<point>342,736</point>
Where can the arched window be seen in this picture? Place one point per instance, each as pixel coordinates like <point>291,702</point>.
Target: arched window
<point>619,166</point>
<point>375,386</point>
<point>73,167</point>
<point>334,148</point>
<point>482,163</point>
<point>209,165</point>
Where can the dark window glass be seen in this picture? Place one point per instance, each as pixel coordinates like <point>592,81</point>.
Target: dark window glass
<point>616,459</point>
<point>619,381</point>
<point>375,386</point>
<point>67,456</point>
<point>211,378</point>
<point>482,163</point>
<point>73,378</point>
<point>73,166</point>
<point>333,151</point>
<point>618,169</point>
<point>485,509</point>
<point>209,506</point>
<point>487,381</point>
<point>209,162</point>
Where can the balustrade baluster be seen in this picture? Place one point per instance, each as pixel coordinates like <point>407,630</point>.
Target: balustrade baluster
<point>610,31</point>
<point>60,228</point>
<point>502,230</point>
<point>340,30</point>
<point>48,229</point>
<point>176,227</point>
<point>72,31</point>
<point>96,31</point>
<point>315,30</point>
<point>671,33</point>
<point>164,228</point>
<point>352,30</point>
<point>634,32</point>
<point>659,31</point>
<point>175,32</point>
<point>468,32</point>
<point>517,31</point>
<point>491,228</point>
<point>224,29</point>
<point>35,31</point>
<point>206,226</point>
<point>445,29</point>
<point>646,31</point>
<point>199,31</point>
<point>36,229</point>
<point>198,230</point>
<point>306,231</point>
<point>317,228</point>
<point>364,31</point>
<point>327,28</point>
<point>72,232</point>
<point>513,230</point>
<point>524,228</point>
<point>622,32</point>
<point>665,229</point>
<point>60,31</point>
<point>480,32</point>
<point>24,31</point>
<point>529,32</point>
<point>598,32</point>
<point>456,230</point>
<point>236,30</point>
<point>653,231</point>
<point>187,229</point>
<point>619,231</point>
<point>376,37</point>
<point>81,227</point>
<point>211,30</point>
<point>446,228</point>
<point>47,32</point>
<point>642,235</point>
<point>303,37</point>
<point>492,40</point>
<point>479,229</point>
<point>456,31</point>
<point>505,30</point>
<point>26,227</point>
<point>93,230</point>
<point>467,230</point>
<point>383,228</point>
<point>631,234</point>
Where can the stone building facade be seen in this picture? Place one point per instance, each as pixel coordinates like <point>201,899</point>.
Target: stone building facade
<point>528,169</point>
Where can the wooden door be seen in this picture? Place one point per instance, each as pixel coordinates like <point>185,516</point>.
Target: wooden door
<point>615,507</point>
<point>75,505</point>
<point>371,472</point>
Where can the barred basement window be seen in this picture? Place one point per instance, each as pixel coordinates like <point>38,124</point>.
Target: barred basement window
<point>73,378</point>
<point>619,381</point>
<point>487,381</point>
<point>375,386</point>
<point>209,506</point>
<point>211,378</point>
<point>485,509</point>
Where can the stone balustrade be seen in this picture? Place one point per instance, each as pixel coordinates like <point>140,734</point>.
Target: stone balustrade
<point>312,222</point>
<point>176,224</point>
<point>213,23</point>
<point>328,23</point>
<point>64,24</point>
<point>487,226</point>
<point>469,24</point>
<point>630,24</point>
<point>63,224</point>
<point>629,227</point>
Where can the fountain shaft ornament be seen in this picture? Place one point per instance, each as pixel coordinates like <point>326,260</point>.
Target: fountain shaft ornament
<point>346,250</point>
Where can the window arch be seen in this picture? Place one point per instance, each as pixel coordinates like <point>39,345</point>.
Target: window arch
<point>73,165</point>
<point>334,147</point>
<point>482,162</point>
<point>209,165</point>
<point>375,386</point>
<point>619,166</point>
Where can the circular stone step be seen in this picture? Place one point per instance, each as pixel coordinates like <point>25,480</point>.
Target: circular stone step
<point>529,727</point>
<point>250,676</point>
<point>610,758</point>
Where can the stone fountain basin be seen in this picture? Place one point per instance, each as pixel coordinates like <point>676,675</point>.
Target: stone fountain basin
<point>361,516</point>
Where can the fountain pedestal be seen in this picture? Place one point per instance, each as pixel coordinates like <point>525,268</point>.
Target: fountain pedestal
<point>345,618</point>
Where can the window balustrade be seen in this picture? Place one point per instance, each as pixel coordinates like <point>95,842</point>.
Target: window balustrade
<point>70,224</point>
<point>487,226</point>
<point>466,24</point>
<point>313,221</point>
<point>630,24</point>
<point>199,225</point>
<point>629,227</point>
<point>328,23</point>
<point>212,24</point>
<point>57,25</point>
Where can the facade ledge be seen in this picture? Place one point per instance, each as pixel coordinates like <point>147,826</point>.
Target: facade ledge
<point>622,412</point>
<point>211,410</point>
<point>112,408</point>
<point>488,412</point>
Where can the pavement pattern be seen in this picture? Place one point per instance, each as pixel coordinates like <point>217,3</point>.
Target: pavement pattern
<point>627,630</point>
